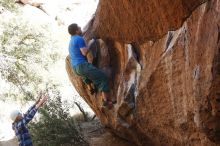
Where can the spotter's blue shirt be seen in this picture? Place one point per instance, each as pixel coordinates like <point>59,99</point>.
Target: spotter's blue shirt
<point>76,57</point>
<point>20,127</point>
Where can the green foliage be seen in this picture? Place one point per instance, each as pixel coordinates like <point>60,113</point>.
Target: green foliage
<point>8,4</point>
<point>26,52</point>
<point>55,127</point>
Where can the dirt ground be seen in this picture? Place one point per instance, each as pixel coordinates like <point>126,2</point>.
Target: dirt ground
<point>11,142</point>
<point>93,132</point>
<point>96,135</point>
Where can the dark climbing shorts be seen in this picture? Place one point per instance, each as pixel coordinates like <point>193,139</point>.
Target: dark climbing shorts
<point>91,74</point>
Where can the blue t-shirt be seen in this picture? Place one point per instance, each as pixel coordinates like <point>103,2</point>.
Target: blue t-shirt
<point>75,44</point>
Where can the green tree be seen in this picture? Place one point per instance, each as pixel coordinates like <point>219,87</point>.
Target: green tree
<point>26,52</point>
<point>26,55</point>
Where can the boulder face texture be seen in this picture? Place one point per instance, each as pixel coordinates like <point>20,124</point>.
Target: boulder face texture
<point>132,21</point>
<point>168,89</point>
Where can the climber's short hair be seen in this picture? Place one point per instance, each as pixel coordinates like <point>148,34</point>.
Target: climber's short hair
<point>72,28</point>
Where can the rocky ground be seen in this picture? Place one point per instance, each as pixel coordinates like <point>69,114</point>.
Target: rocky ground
<point>94,133</point>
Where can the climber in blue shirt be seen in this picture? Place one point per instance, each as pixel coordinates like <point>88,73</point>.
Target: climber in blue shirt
<point>89,73</point>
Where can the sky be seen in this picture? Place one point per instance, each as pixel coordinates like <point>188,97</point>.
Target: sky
<point>66,12</point>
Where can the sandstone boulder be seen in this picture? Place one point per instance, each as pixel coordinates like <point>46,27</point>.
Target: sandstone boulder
<point>167,83</point>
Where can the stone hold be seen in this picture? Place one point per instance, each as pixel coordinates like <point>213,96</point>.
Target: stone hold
<point>97,47</point>
<point>125,109</point>
<point>87,30</point>
<point>93,46</point>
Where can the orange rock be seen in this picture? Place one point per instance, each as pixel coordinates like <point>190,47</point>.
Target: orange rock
<point>138,21</point>
<point>166,82</point>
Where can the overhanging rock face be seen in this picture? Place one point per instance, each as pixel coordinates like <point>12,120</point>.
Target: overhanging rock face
<point>168,89</point>
<point>132,21</point>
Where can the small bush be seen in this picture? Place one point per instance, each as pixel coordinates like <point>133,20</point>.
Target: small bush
<point>55,127</point>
